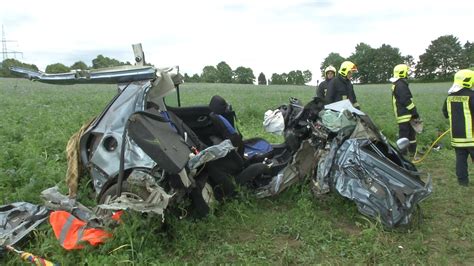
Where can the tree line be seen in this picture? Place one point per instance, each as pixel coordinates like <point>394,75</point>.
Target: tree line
<point>99,62</point>
<point>223,73</point>
<point>443,57</point>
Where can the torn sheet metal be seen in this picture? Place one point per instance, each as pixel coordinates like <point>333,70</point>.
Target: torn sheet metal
<point>210,154</point>
<point>303,163</point>
<point>19,219</point>
<point>156,202</point>
<point>379,187</point>
<point>54,200</point>
<point>112,76</point>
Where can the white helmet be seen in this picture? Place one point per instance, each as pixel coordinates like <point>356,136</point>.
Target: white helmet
<point>329,68</point>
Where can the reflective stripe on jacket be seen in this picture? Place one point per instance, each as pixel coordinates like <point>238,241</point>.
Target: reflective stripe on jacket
<point>402,101</point>
<point>459,107</point>
<point>71,232</point>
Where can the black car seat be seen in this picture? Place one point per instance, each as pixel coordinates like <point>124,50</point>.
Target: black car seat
<point>255,149</point>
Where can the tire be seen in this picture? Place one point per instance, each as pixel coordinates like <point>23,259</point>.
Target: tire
<point>202,197</point>
<point>134,192</point>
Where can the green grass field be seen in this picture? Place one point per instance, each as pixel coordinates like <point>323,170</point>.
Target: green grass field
<point>294,228</point>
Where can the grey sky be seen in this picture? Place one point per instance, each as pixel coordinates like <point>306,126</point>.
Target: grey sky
<point>267,36</point>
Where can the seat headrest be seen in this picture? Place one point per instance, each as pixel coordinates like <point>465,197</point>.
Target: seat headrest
<point>218,105</point>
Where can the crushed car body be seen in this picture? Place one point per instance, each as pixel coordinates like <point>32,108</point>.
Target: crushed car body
<point>145,155</point>
<point>352,157</point>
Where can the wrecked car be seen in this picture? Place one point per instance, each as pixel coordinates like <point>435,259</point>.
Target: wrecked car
<point>145,155</point>
<point>343,151</point>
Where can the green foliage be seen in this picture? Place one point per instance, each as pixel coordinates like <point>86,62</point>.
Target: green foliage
<point>442,58</point>
<point>376,65</point>
<point>79,65</point>
<point>262,80</point>
<point>307,76</point>
<point>57,68</point>
<point>386,58</point>
<point>363,57</point>
<point>294,77</point>
<point>243,75</point>
<point>10,62</point>
<point>468,55</point>
<point>209,74</point>
<point>224,73</point>
<point>292,228</point>
<point>277,79</point>
<point>194,78</point>
<point>104,62</point>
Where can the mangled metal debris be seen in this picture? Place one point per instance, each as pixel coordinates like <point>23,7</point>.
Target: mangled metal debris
<point>145,155</point>
<point>352,157</point>
<point>156,202</point>
<point>18,219</point>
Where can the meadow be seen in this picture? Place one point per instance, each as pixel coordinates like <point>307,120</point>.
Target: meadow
<point>36,120</point>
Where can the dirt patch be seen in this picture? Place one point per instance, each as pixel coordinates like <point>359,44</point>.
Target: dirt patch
<point>288,241</point>
<point>348,227</point>
<point>244,236</point>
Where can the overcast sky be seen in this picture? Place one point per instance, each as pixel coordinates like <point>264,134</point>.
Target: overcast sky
<point>271,36</point>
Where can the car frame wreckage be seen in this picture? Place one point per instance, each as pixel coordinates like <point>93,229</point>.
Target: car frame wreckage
<point>144,155</point>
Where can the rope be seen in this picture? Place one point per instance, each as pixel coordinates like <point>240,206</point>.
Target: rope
<point>431,147</point>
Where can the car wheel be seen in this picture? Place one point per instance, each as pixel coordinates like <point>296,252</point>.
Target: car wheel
<point>134,193</point>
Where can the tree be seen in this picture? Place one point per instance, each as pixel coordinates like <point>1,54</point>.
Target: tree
<point>186,77</point>
<point>441,59</point>
<point>103,62</point>
<point>284,78</point>
<point>409,61</point>
<point>10,62</point>
<point>307,75</point>
<point>333,59</point>
<point>468,55</point>
<point>196,78</point>
<point>295,77</point>
<point>57,68</point>
<point>243,75</point>
<point>364,57</point>
<point>209,74</point>
<point>79,65</point>
<point>262,80</point>
<point>277,79</point>
<point>224,73</point>
<point>385,59</point>
<point>193,79</point>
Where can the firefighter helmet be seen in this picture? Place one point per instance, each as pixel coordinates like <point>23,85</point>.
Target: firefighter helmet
<point>347,66</point>
<point>464,78</point>
<point>400,71</point>
<point>329,68</point>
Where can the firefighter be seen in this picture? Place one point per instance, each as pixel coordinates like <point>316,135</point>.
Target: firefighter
<point>459,108</point>
<point>340,87</point>
<point>403,105</point>
<point>329,74</point>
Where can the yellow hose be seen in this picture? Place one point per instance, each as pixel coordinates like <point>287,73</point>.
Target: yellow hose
<point>431,147</point>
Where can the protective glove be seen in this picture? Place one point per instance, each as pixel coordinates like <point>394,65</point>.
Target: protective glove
<point>414,114</point>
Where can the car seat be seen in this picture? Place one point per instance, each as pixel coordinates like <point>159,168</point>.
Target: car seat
<point>255,149</point>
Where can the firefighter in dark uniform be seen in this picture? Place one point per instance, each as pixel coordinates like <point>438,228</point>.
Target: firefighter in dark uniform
<point>459,108</point>
<point>329,74</point>
<point>340,87</point>
<point>403,105</point>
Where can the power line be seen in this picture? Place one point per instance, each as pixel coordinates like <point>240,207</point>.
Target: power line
<point>5,51</point>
